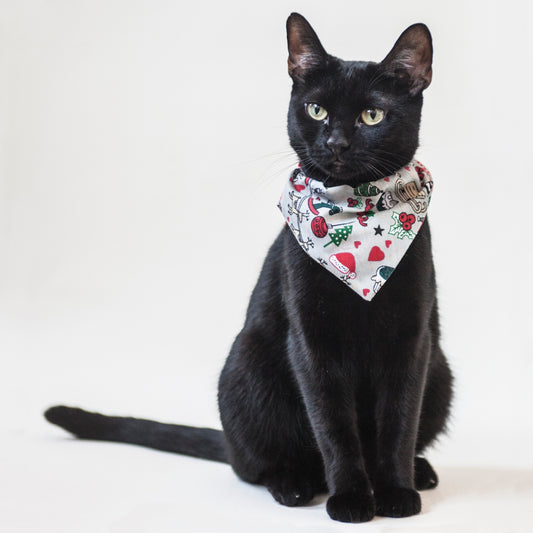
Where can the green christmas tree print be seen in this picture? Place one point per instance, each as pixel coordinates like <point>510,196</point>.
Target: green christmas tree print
<point>339,235</point>
<point>366,189</point>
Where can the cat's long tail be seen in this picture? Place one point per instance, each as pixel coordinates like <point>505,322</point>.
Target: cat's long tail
<point>204,443</point>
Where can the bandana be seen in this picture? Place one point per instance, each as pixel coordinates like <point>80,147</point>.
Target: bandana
<point>358,234</point>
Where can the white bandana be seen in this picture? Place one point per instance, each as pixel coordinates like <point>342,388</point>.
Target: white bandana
<point>359,234</point>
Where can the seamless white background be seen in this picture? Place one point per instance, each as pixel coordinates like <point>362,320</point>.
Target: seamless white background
<point>135,136</point>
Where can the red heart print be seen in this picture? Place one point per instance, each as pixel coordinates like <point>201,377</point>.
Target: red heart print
<point>366,291</point>
<point>387,179</point>
<point>299,188</point>
<point>376,254</point>
<point>388,243</point>
<point>357,244</point>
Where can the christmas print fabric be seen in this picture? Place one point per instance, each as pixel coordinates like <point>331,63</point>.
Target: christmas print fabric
<point>359,234</point>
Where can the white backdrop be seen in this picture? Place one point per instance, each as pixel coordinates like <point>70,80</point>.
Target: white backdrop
<point>133,136</point>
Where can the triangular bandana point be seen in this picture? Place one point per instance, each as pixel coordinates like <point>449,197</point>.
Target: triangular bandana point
<point>358,234</point>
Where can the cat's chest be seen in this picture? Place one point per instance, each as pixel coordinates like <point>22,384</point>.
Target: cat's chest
<point>328,309</point>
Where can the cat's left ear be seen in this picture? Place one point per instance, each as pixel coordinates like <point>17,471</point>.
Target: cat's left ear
<point>410,58</point>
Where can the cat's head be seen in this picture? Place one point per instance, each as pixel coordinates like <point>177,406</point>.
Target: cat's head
<point>355,121</point>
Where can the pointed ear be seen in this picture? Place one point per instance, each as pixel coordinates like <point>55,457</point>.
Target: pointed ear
<point>305,51</point>
<point>410,58</point>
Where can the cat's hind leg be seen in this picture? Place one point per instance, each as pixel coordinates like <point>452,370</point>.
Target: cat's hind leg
<point>294,487</point>
<point>425,476</point>
<point>435,411</point>
<point>268,435</point>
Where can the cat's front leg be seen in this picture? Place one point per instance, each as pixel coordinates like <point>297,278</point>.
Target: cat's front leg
<point>398,414</point>
<point>329,400</point>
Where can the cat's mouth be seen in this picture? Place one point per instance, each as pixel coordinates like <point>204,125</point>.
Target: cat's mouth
<point>335,170</point>
<point>340,170</point>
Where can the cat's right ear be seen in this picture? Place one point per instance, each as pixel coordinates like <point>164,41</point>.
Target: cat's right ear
<point>305,50</point>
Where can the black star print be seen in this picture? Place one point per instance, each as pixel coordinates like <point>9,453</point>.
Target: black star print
<point>378,230</point>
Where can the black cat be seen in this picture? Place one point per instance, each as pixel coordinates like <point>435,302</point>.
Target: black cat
<point>323,391</point>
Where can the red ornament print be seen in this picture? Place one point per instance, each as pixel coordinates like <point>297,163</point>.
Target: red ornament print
<point>319,227</point>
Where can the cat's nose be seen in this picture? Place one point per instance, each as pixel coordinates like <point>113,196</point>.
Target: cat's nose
<point>337,142</point>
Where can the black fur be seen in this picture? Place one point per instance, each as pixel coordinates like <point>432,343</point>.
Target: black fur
<point>205,443</point>
<point>323,391</point>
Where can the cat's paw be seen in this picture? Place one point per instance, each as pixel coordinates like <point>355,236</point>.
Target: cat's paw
<point>425,476</point>
<point>290,491</point>
<point>351,507</point>
<point>397,502</point>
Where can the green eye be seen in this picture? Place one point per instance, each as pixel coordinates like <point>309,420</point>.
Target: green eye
<point>316,111</point>
<point>373,116</point>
